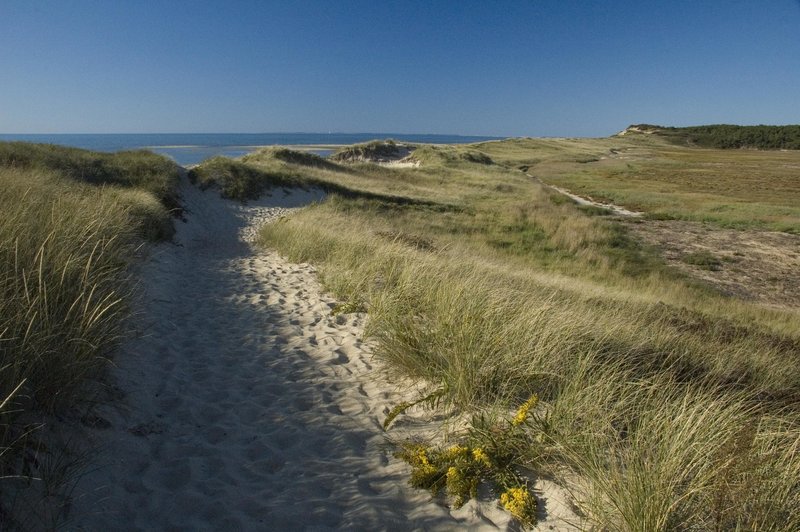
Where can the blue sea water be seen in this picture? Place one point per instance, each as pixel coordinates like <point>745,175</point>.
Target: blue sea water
<point>192,148</point>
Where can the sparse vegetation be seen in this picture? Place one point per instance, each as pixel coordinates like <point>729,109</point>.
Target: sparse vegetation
<point>703,259</point>
<point>269,168</point>
<point>238,180</point>
<point>289,156</point>
<point>490,454</point>
<point>431,154</point>
<point>348,307</point>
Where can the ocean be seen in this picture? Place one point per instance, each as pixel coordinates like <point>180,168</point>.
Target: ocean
<point>193,148</point>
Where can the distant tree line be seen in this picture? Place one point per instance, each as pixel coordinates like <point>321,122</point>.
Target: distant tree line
<point>724,136</point>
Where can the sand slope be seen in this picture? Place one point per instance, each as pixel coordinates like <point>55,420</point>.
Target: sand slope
<point>244,404</point>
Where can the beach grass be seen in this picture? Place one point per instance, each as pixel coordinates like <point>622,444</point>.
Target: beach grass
<point>665,403</point>
<point>138,169</point>
<point>237,180</point>
<point>71,226</point>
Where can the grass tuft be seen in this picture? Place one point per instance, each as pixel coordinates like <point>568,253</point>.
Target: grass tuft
<point>703,259</point>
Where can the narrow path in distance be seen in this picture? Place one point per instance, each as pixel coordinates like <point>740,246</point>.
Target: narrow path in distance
<point>245,405</point>
<point>580,200</point>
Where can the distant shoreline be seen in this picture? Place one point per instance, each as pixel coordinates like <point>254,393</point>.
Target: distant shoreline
<point>138,140</point>
<point>193,148</point>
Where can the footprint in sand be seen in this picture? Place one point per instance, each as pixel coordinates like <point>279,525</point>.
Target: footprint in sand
<point>340,357</point>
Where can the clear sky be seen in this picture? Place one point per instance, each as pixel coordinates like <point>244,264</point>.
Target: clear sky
<point>506,68</point>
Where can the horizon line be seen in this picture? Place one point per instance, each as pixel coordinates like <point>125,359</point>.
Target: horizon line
<point>268,133</point>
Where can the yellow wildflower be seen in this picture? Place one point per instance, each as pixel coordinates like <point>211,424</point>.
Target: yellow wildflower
<point>461,486</point>
<point>480,456</point>
<point>455,452</point>
<point>453,475</point>
<point>520,503</point>
<point>425,476</point>
<point>427,469</point>
<point>524,409</point>
<point>422,456</point>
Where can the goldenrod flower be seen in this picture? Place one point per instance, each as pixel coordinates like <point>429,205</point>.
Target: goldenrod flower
<point>453,475</point>
<point>422,456</point>
<point>522,413</point>
<point>520,503</point>
<point>460,486</point>
<point>455,452</point>
<point>427,469</point>
<point>480,456</point>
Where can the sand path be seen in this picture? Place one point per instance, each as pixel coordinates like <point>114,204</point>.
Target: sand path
<point>244,404</point>
<point>580,200</point>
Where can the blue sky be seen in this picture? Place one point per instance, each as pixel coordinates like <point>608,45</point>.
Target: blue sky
<point>506,68</point>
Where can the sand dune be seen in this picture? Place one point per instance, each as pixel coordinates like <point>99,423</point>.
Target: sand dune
<point>245,404</point>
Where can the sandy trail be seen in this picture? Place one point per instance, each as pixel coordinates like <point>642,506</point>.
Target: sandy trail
<point>580,200</point>
<point>245,404</point>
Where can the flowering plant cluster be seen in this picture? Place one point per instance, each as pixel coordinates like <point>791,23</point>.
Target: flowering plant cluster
<point>459,469</point>
<point>520,503</point>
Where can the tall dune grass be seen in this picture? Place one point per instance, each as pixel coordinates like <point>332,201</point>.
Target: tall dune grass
<point>140,169</point>
<point>664,427</point>
<point>665,405</point>
<point>435,310</point>
<point>62,257</point>
<point>66,244</point>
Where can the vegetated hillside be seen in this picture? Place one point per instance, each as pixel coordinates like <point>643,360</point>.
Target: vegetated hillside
<point>667,404</point>
<point>268,168</point>
<point>384,151</point>
<point>374,151</point>
<point>237,180</point>
<point>725,136</point>
<point>290,156</point>
<point>430,154</point>
<point>132,169</point>
<point>70,224</point>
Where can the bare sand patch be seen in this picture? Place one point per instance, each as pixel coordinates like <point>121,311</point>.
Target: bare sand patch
<point>407,162</point>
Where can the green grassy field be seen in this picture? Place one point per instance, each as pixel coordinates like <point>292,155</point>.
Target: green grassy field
<point>71,224</point>
<point>743,189</point>
<point>664,403</point>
